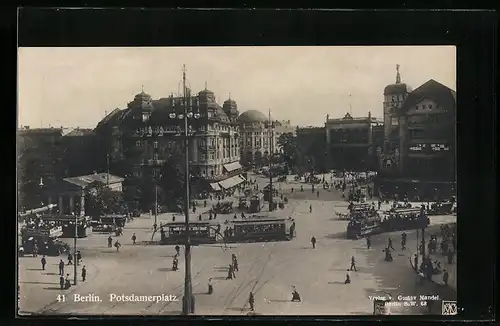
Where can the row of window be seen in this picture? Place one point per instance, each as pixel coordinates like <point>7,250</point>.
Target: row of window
<point>149,130</point>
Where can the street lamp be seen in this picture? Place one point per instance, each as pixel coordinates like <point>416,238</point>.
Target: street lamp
<point>186,114</point>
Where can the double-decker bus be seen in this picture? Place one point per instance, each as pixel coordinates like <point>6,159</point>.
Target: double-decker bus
<point>200,232</point>
<point>268,229</point>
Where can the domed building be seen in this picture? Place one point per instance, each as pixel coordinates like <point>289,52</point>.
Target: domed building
<point>257,140</point>
<point>148,136</point>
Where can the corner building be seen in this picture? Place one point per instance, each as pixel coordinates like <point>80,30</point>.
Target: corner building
<point>143,137</point>
<point>419,150</point>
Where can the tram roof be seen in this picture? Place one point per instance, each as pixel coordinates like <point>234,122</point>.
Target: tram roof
<point>183,223</point>
<point>260,220</point>
<point>406,210</point>
<point>62,217</point>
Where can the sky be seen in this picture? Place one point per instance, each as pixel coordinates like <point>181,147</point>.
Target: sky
<point>75,87</point>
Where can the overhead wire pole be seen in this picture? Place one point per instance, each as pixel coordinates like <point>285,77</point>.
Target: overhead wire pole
<point>188,300</point>
<point>269,130</point>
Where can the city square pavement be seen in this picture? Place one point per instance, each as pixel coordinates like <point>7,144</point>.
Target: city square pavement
<point>269,270</point>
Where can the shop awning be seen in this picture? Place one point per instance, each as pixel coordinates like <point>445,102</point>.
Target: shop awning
<point>215,186</point>
<point>232,166</point>
<point>231,182</point>
<point>242,178</point>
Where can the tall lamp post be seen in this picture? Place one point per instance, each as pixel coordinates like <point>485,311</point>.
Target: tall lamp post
<point>187,108</point>
<point>270,126</point>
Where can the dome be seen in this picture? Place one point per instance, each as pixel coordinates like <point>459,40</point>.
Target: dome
<point>230,101</point>
<point>206,92</point>
<point>400,88</point>
<point>252,116</point>
<point>142,95</point>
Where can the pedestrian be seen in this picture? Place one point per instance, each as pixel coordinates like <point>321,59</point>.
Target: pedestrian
<point>368,242</point>
<point>353,264</point>
<point>70,259</point>
<point>403,241</point>
<point>61,267</point>
<point>35,250</point>
<point>450,256</point>
<point>230,273</point>
<point>110,242</point>
<point>347,278</point>
<point>235,265</point>
<point>61,282</point>
<point>67,283</point>
<point>44,262</point>
<point>295,295</point>
<point>251,301</point>
<point>310,208</point>
<point>133,239</point>
<point>177,249</point>
<point>389,244</point>
<point>117,246</point>
<point>210,287</point>
<point>313,241</point>
<point>84,273</point>
<point>194,209</point>
<point>445,277</point>
<point>317,194</point>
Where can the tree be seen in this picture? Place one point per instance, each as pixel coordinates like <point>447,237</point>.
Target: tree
<point>101,200</point>
<point>287,143</point>
<point>172,181</point>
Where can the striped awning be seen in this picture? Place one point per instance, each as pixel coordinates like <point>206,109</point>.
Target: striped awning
<point>231,182</point>
<point>215,186</point>
<point>232,166</point>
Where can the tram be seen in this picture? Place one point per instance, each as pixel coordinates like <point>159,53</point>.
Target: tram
<point>405,219</point>
<point>200,232</point>
<point>363,227</point>
<point>256,230</point>
<point>44,238</point>
<point>67,223</point>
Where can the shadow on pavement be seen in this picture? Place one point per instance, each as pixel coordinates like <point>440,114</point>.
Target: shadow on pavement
<point>34,269</point>
<point>279,300</point>
<point>338,235</point>
<point>305,248</point>
<point>239,309</point>
<point>337,282</point>
<point>53,288</point>
<point>165,269</point>
<point>219,278</point>
<point>50,273</point>
<point>24,282</point>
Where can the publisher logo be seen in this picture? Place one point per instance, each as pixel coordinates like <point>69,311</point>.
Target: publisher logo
<point>449,308</point>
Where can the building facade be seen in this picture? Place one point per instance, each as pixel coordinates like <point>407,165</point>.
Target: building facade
<point>140,139</point>
<point>257,141</point>
<point>312,147</point>
<point>40,153</point>
<point>350,142</point>
<point>79,147</point>
<point>418,156</point>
